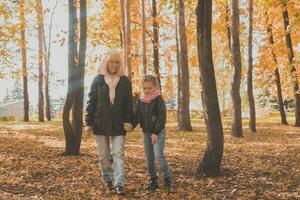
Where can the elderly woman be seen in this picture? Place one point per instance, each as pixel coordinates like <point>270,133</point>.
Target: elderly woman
<point>109,115</point>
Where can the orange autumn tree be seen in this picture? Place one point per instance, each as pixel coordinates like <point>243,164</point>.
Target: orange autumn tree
<point>13,43</point>
<point>104,28</point>
<point>275,57</point>
<point>8,36</point>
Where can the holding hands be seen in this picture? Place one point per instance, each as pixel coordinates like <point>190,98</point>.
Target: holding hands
<point>88,130</point>
<point>154,138</point>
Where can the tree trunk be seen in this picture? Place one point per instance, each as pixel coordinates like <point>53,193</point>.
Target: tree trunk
<point>47,53</point>
<point>227,19</point>
<point>178,75</point>
<point>24,60</point>
<point>185,123</point>
<point>74,100</point>
<point>143,28</point>
<point>279,97</point>
<point>276,72</point>
<point>123,29</point>
<point>39,12</point>
<point>293,71</point>
<point>78,106</point>
<point>155,27</point>
<point>47,96</point>
<point>236,129</point>
<point>212,159</point>
<point>71,138</point>
<point>46,60</point>
<point>128,38</point>
<point>252,120</point>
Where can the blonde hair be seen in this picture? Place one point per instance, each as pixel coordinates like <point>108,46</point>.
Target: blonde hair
<point>109,56</point>
<point>150,78</point>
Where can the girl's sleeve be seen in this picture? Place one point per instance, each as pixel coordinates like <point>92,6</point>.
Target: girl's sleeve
<point>91,103</point>
<point>136,118</point>
<point>161,116</point>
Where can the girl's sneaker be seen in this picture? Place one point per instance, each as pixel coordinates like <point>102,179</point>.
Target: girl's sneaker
<point>109,185</point>
<point>153,185</point>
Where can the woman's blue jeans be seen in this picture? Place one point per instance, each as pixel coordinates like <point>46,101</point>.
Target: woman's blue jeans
<point>111,170</point>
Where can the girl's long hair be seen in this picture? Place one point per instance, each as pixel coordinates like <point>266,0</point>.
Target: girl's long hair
<point>113,55</point>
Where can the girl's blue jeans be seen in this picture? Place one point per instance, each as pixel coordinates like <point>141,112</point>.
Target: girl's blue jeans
<point>156,152</point>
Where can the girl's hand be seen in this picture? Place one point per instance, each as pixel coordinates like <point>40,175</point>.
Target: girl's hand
<point>88,130</point>
<point>154,138</point>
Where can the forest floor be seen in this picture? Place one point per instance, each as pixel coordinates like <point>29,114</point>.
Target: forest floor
<point>263,165</point>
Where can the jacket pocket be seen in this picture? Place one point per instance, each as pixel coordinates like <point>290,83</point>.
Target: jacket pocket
<point>153,118</point>
<point>99,119</point>
<point>119,126</point>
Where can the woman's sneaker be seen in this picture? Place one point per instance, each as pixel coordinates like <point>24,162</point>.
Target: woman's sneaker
<point>120,190</point>
<point>168,184</point>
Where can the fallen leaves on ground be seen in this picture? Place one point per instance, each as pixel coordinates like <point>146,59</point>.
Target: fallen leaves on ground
<point>263,165</point>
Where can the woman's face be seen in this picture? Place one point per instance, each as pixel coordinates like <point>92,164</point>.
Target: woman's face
<point>113,65</point>
<point>148,88</point>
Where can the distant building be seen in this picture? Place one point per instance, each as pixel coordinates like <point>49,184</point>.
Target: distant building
<point>12,109</point>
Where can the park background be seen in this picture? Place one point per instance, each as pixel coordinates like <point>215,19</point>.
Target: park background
<point>255,117</point>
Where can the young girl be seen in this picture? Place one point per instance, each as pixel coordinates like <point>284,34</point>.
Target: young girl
<point>150,113</point>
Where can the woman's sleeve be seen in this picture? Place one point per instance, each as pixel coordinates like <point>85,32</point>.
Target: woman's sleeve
<point>128,103</point>
<point>161,116</point>
<point>91,103</point>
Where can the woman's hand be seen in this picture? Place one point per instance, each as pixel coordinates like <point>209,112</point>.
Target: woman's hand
<point>127,127</point>
<point>88,130</point>
<point>154,138</point>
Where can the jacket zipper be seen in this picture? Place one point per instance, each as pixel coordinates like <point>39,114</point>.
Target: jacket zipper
<point>146,117</point>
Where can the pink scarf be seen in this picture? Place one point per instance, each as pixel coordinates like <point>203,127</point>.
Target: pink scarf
<point>112,82</point>
<point>148,98</point>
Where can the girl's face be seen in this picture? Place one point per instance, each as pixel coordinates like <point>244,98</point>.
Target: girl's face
<point>148,88</point>
<point>113,65</point>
